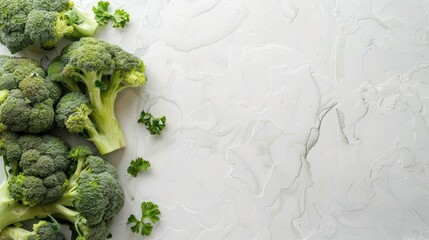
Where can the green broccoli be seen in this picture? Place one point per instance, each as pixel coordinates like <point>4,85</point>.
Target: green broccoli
<point>89,200</point>
<point>42,230</point>
<point>38,166</point>
<point>45,22</point>
<point>100,70</point>
<point>27,96</point>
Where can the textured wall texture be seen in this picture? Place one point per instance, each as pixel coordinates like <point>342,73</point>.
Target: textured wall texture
<point>287,119</point>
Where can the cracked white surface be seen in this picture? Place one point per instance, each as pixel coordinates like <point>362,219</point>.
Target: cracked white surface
<point>287,119</point>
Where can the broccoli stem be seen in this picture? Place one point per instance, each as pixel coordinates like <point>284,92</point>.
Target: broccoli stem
<point>86,28</point>
<point>108,136</point>
<point>14,233</point>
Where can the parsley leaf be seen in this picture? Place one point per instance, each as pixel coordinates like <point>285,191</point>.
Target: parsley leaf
<point>153,125</point>
<point>120,18</point>
<point>137,165</point>
<point>102,15</point>
<point>150,216</point>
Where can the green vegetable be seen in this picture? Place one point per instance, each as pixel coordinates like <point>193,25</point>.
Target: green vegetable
<point>90,193</point>
<point>27,96</point>
<point>138,165</point>
<point>120,17</point>
<point>100,71</point>
<point>153,125</point>
<point>102,15</point>
<point>43,230</point>
<point>42,22</point>
<point>150,216</point>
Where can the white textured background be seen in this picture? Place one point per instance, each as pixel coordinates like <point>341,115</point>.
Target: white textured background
<point>287,119</point>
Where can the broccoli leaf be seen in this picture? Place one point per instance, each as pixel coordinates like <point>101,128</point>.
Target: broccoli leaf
<point>138,165</point>
<point>153,125</point>
<point>102,15</point>
<point>150,216</point>
<point>120,18</point>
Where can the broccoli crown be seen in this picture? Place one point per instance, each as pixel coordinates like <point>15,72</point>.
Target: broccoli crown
<point>38,165</point>
<point>28,96</point>
<point>24,23</point>
<point>110,64</point>
<point>72,112</point>
<point>90,197</point>
<point>99,70</point>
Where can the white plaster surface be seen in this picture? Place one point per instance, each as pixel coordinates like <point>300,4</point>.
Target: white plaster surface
<point>287,119</point>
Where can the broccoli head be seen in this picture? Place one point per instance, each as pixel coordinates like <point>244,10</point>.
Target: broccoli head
<point>27,96</point>
<point>42,22</point>
<point>90,198</point>
<point>38,166</point>
<point>99,70</point>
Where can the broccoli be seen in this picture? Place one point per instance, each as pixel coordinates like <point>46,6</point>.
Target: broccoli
<point>100,71</point>
<point>90,197</point>
<point>41,230</point>
<point>45,22</point>
<point>38,166</point>
<point>27,96</point>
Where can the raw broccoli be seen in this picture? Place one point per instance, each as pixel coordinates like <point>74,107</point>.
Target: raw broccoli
<point>38,167</point>
<point>100,70</point>
<point>45,22</point>
<point>42,230</point>
<point>90,199</point>
<point>27,96</point>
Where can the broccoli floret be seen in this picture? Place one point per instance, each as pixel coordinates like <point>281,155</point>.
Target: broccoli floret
<point>38,166</point>
<point>42,22</point>
<point>99,70</point>
<point>90,198</point>
<point>27,96</point>
<point>42,230</point>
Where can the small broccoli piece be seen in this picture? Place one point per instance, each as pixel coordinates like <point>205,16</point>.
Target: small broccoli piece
<point>41,22</point>
<point>138,165</point>
<point>27,96</point>
<point>150,216</point>
<point>120,17</point>
<point>42,230</point>
<point>153,125</point>
<point>90,198</point>
<point>100,71</point>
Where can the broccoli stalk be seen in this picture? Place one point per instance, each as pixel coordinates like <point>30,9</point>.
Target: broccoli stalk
<point>106,132</point>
